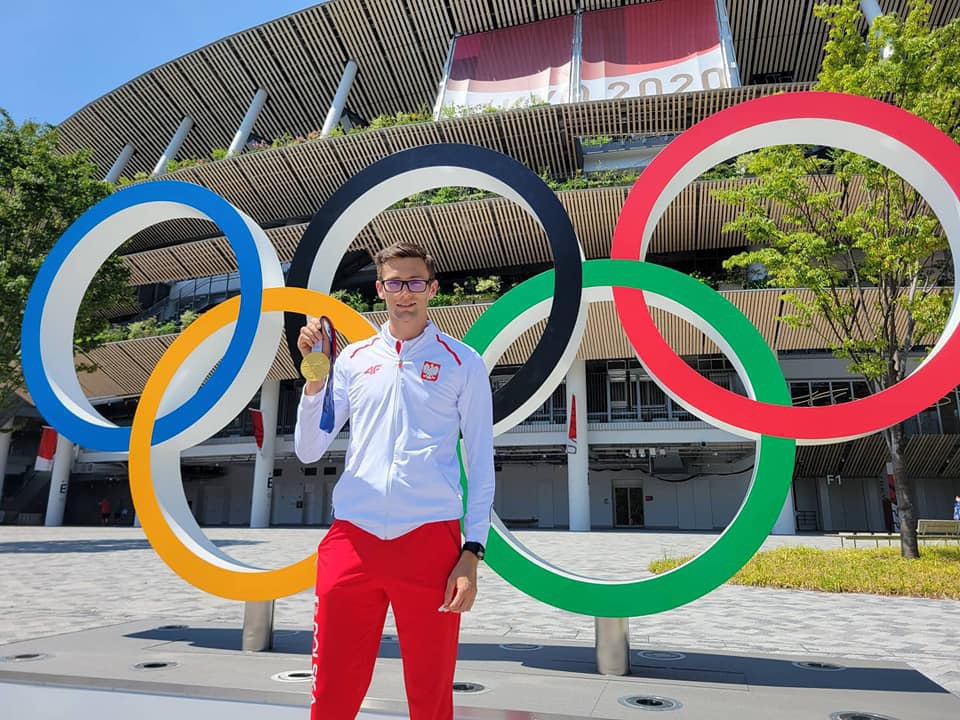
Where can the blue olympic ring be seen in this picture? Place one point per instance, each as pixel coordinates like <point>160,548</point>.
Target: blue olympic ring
<point>231,223</point>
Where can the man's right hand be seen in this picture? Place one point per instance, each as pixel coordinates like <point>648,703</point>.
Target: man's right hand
<point>311,335</point>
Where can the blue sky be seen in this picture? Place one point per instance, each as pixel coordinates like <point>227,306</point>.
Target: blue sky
<point>58,55</point>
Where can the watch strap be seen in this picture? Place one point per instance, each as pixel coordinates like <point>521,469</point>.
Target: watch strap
<point>474,547</point>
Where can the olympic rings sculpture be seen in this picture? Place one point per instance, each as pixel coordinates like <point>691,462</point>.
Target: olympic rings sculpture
<point>235,342</point>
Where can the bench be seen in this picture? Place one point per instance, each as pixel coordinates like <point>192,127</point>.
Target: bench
<point>521,522</point>
<point>938,530</point>
<point>926,530</point>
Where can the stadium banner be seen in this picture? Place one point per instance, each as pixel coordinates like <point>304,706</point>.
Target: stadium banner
<point>655,48</point>
<point>511,67</point>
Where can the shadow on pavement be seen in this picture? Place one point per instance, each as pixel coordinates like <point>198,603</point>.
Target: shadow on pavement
<point>692,667</point>
<point>93,546</point>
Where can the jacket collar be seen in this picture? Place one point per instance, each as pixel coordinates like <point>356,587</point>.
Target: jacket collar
<point>391,341</point>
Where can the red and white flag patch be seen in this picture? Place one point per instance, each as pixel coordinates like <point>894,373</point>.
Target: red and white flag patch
<point>430,371</point>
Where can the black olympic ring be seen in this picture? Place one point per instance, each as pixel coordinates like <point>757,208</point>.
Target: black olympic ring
<point>386,181</point>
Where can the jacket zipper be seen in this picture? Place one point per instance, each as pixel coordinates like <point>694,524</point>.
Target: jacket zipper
<point>396,430</point>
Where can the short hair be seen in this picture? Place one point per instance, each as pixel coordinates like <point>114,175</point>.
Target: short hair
<point>405,250</point>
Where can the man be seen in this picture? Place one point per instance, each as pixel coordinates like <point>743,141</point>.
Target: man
<point>408,393</point>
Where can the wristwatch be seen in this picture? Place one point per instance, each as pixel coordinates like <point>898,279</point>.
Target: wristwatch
<point>474,547</point>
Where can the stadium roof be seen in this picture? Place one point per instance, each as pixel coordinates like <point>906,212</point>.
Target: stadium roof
<point>400,47</point>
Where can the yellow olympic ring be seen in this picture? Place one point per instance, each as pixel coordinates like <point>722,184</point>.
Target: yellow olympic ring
<point>217,576</point>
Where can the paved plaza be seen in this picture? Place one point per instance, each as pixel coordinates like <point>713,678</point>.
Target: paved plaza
<point>61,580</point>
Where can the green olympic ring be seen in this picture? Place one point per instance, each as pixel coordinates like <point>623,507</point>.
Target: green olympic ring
<point>773,470</point>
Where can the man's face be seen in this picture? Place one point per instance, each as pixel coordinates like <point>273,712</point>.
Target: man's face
<point>406,305</point>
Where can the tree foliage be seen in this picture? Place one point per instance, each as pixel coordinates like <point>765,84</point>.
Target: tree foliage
<point>867,256</point>
<point>42,191</point>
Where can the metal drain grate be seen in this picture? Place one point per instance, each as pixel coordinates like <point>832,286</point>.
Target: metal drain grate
<point>521,647</point>
<point>855,715</point>
<point>292,676</point>
<point>661,655</point>
<point>819,666</point>
<point>155,665</point>
<point>657,703</point>
<point>25,657</point>
<point>468,687</point>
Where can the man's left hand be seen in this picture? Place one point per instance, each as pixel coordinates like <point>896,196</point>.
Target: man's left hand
<point>462,584</point>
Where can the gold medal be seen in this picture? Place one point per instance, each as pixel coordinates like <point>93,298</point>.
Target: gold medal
<point>315,366</point>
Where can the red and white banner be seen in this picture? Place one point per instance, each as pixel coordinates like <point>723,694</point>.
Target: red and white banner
<point>256,416</point>
<point>572,433</point>
<point>48,446</point>
<point>655,48</point>
<point>513,66</point>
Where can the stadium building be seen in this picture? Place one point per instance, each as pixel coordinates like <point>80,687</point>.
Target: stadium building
<point>277,117</point>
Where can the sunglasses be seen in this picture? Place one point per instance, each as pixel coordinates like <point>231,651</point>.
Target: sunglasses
<point>415,286</point>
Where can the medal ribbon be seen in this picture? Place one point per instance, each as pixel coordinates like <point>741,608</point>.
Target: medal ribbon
<point>328,414</point>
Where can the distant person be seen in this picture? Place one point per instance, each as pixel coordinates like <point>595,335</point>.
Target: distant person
<point>956,507</point>
<point>104,512</point>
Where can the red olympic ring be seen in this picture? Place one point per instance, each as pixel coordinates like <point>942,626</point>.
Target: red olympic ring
<point>832,423</point>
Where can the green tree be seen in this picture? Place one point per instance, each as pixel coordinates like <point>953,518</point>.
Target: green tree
<point>868,254</point>
<point>42,191</point>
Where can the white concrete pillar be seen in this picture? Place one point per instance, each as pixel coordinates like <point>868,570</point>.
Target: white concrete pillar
<point>578,462</point>
<point>871,10</point>
<point>113,174</point>
<point>263,466</point>
<point>174,147</point>
<point>786,523</point>
<point>340,98</point>
<point>6,435</point>
<point>59,479</point>
<point>253,112</point>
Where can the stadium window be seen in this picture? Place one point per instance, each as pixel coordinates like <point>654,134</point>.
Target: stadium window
<point>820,393</point>
<point>800,393</point>
<point>949,417</point>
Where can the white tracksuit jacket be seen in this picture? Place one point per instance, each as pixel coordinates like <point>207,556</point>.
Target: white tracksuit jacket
<point>406,402</point>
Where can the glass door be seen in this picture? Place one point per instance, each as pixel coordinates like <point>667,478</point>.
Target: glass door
<point>628,506</point>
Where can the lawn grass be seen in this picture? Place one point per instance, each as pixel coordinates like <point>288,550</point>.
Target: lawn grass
<point>878,571</point>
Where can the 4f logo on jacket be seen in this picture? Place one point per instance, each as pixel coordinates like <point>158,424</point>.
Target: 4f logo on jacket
<point>430,371</point>
<point>372,370</point>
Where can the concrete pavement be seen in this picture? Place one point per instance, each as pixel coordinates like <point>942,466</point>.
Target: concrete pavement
<point>61,580</point>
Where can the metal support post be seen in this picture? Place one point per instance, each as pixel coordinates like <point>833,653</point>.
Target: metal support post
<point>257,626</point>
<point>246,127</point>
<point>340,98</point>
<point>613,645</point>
<point>174,147</point>
<point>113,174</point>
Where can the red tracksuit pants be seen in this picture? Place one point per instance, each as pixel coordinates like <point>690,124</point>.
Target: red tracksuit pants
<point>358,575</point>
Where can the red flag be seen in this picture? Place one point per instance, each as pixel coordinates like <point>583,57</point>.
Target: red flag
<point>257,417</point>
<point>572,434</point>
<point>48,446</point>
